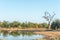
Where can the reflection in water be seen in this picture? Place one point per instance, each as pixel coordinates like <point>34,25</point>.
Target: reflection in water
<point>18,35</point>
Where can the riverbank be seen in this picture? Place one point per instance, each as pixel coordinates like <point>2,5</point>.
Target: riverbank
<point>13,29</point>
<point>49,33</point>
<point>35,30</point>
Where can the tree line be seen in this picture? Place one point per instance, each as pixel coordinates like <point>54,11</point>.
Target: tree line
<point>6,24</point>
<point>15,24</point>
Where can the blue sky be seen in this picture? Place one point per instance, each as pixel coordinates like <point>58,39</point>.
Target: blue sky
<point>28,10</point>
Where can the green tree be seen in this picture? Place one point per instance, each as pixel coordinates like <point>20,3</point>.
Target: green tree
<point>24,25</point>
<point>36,25</point>
<point>44,25</point>
<point>5,24</point>
<point>55,24</point>
<point>15,24</point>
<point>30,25</point>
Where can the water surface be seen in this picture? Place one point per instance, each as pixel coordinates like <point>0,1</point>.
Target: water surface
<point>19,36</point>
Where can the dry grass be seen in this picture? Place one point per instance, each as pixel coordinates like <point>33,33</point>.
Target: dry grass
<point>23,29</point>
<point>50,33</point>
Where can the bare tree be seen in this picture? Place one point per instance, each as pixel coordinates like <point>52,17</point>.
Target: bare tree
<point>49,18</point>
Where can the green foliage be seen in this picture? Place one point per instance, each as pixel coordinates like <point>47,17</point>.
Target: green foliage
<point>24,25</point>
<point>30,25</point>
<point>13,24</point>
<point>5,24</point>
<point>55,24</point>
<point>43,25</point>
